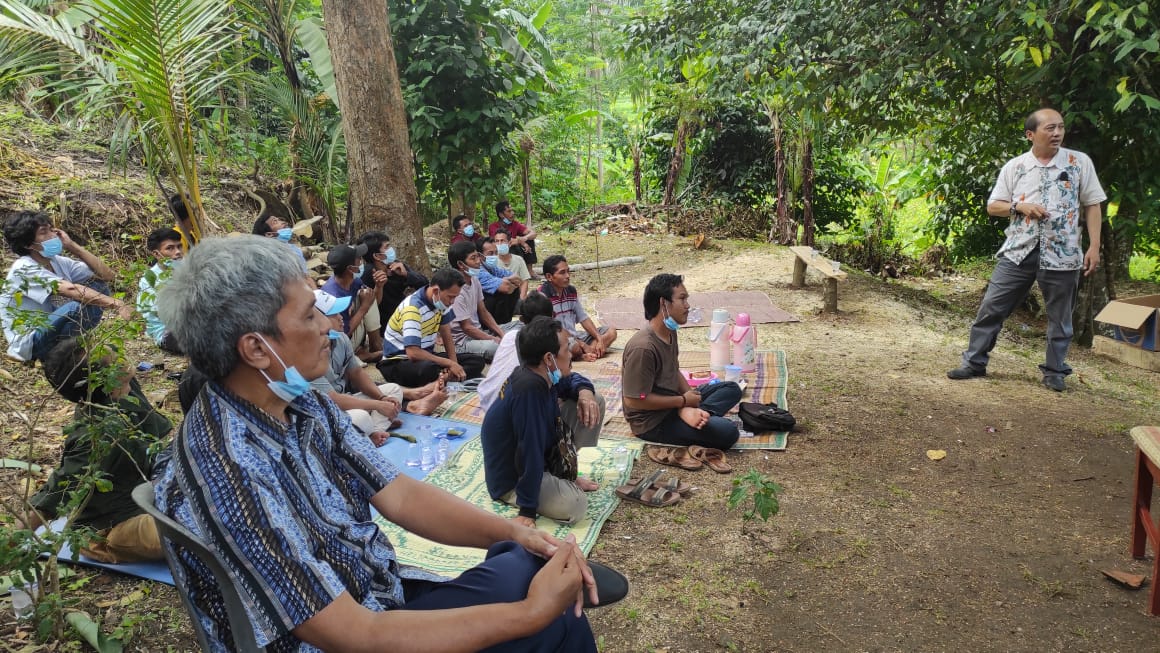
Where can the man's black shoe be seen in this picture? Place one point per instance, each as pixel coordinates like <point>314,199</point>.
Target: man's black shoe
<point>611,585</point>
<point>965,372</point>
<point>1055,383</point>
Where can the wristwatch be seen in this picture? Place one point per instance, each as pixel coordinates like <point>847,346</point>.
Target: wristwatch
<point>1014,209</point>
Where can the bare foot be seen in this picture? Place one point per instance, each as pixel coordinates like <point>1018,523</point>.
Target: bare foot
<point>411,394</point>
<point>427,405</point>
<point>587,485</point>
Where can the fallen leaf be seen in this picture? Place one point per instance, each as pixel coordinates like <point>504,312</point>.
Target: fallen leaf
<point>936,454</point>
<point>1131,581</point>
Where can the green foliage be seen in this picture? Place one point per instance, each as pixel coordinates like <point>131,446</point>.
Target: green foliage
<point>763,492</point>
<point>468,83</point>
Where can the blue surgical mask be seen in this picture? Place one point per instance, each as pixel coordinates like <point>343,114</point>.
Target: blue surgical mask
<point>294,385</point>
<point>670,323</point>
<point>473,272</point>
<point>554,374</point>
<point>469,230</point>
<point>361,266</point>
<point>285,234</point>
<point>507,220</point>
<point>390,255</point>
<point>502,248</point>
<point>173,262</point>
<point>492,260</point>
<point>334,335</point>
<point>440,306</point>
<point>51,247</point>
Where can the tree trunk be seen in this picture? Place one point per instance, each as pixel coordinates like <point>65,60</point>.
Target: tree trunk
<point>808,192</point>
<point>782,217</point>
<point>526,177</point>
<point>675,165</point>
<point>374,122</point>
<point>636,186</point>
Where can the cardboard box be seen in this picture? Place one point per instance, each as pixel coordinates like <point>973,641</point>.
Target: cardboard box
<point>1134,321</point>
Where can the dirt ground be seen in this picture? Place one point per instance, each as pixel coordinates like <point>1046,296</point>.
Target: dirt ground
<point>997,547</point>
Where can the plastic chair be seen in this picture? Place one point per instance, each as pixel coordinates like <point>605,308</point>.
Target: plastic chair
<point>168,528</point>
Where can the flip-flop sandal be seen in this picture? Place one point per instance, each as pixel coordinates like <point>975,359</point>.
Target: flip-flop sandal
<point>673,456</point>
<point>611,585</point>
<point>673,484</point>
<point>714,458</point>
<point>645,494</point>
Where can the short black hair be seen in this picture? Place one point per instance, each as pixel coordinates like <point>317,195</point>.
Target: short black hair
<point>68,370</point>
<point>537,338</point>
<point>503,231</point>
<point>459,252</point>
<point>458,220</point>
<point>374,240</point>
<point>446,278</point>
<point>501,206</point>
<point>159,236</point>
<point>20,229</point>
<point>553,262</point>
<point>659,287</point>
<point>178,208</point>
<point>262,225</point>
<point>483,241</point>
<point>534,305</point>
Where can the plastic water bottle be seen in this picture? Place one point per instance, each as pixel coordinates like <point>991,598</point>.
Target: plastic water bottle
<point>442,449</point>
<point>620,458</point>
<point>744,339</point>
<point>427,456</point>
<point>22,602</point>
<point>719,331</point>
<point>414,455</point>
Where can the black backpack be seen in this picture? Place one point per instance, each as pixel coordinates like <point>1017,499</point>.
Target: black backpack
<point>761,418</point>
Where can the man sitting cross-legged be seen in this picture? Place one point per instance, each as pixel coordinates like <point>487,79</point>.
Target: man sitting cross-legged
<point>272,477</point>
<point>360,320</point>
<point>48,297</point>
<point>371,407</point>
<point>588,342</point>
<point>471,314</point>
<point>529,456</point>
<point>577,415</point>
<point>164,245</point>
<point>502,288</point>
<point>658,402</point>
<point>409,357</point>
<point>113,430</point>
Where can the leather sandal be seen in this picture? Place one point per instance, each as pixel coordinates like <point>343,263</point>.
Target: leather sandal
<point>714,458</point>
<point>672,484</point>
<point>645,494</point>
<point>673,456</point>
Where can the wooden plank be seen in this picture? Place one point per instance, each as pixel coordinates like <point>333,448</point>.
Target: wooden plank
<point>1125,353</point>
<point>818,262</point>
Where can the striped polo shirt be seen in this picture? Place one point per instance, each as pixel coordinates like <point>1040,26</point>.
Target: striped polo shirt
<point>415,323</point>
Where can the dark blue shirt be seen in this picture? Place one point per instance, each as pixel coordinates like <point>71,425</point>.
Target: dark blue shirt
<point>519,431</point>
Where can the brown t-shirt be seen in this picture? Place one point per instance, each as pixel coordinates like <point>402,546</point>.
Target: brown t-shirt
<point>650,367</point>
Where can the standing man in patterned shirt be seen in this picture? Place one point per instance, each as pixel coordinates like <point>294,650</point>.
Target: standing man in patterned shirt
<point>1048,192</point>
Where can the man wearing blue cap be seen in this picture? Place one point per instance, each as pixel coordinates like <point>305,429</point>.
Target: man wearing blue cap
<point>372,408</point>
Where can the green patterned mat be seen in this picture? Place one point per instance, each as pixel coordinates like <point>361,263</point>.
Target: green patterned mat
<point>462,476</point>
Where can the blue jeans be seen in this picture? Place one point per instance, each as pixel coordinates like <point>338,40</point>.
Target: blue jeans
<point>69,319</point>
<point>504,577</point>
<point>718,432</point>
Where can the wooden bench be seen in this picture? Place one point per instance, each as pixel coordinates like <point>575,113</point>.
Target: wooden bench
<point>808,257</point>
<point>1144,530</point>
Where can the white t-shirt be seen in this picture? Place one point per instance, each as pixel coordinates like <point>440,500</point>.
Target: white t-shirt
<point>516,266</point>
<point>28,289</point>
<point>506,360</point>
<point>466,307</point>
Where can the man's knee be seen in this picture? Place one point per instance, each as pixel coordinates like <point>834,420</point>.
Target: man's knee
<point>568,505</point>
<point>392,390</point>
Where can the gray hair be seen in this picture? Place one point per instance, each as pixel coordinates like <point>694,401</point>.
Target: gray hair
<point>224,289</point>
